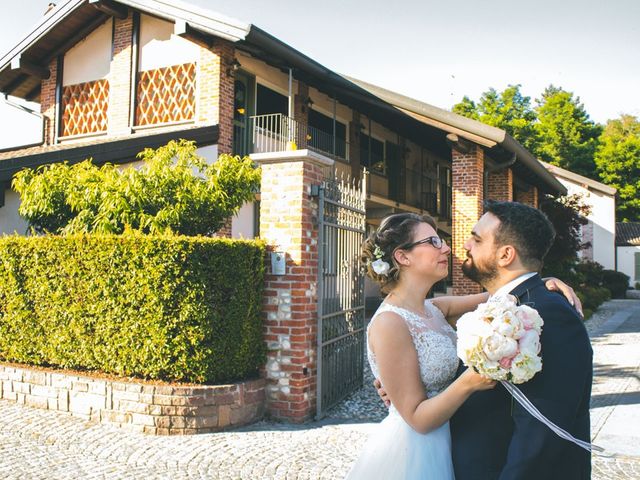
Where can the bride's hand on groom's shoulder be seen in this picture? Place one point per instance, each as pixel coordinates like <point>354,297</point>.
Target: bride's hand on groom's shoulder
<point>557,285</point>
<point>382,393</point>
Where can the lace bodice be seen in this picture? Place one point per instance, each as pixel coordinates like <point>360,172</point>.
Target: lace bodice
<point>435,343</point>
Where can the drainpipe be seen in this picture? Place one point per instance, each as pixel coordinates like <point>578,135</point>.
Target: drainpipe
<point>22,108</point>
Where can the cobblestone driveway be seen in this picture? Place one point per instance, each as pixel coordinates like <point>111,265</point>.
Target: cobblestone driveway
<point>38,444</point>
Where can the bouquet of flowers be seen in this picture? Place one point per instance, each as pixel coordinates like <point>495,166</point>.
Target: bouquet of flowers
<point>501,340</point>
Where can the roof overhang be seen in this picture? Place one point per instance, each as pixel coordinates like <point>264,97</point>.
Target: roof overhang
<point>71,21</point>
<point>585,182</point>
<point>495,140</point>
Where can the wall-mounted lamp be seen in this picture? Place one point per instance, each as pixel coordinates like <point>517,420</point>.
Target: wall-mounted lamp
<point>233,67</point>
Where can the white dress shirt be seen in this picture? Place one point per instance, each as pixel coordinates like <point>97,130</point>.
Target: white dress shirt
<point>506,289</point>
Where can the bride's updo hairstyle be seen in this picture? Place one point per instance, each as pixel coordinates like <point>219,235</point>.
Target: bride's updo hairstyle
<point>394,231</point>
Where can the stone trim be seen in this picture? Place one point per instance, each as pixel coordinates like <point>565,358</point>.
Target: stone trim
<point>134,404</point>
<point>292,156</point>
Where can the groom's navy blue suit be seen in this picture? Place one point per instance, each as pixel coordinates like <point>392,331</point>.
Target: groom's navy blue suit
<point>493,437</point>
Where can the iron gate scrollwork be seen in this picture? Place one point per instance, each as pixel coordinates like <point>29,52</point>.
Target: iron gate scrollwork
<point>341,314</point>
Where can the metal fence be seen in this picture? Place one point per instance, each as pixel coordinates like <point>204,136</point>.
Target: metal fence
<point>277,132</point>
<point>341,314</point>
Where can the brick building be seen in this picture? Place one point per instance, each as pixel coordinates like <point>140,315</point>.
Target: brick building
<point>115,76</point>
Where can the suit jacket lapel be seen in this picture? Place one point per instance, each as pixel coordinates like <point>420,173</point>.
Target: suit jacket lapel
<point>523,291</point>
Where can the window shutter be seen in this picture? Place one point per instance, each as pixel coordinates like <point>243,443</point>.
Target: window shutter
<point>637,269</point>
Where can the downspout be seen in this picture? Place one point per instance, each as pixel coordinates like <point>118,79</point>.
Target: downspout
<point>42,118</point>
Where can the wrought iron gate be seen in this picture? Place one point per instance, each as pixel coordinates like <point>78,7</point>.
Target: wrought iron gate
<point>341,318</point>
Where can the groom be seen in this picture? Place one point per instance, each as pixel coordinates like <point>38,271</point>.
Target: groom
<point>493,437</point>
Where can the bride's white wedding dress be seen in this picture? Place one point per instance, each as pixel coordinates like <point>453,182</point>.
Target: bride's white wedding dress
<point>394,450</point>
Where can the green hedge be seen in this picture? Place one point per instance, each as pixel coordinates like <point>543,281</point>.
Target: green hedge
<point>172,308</point>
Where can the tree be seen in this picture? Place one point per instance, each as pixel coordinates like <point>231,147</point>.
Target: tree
<point>175,191</point>
<point>566,136</point>
<point>618,162</point>
<point>508,110</point>
<point>567,214</point>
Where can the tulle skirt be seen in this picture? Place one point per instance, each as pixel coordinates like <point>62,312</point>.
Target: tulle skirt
<point>396,451</point>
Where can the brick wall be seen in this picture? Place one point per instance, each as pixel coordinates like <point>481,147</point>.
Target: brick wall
<point>136,405</point>
<point>500,185</point>
<point>528,197</point>
<point>467,173</point>
<point>287,213</point>
<point>120,77</point>
<point>48,103</point>
<point>216,91</point>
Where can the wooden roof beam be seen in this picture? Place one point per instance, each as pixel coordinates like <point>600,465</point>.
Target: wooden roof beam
<point>32,68</point>
<point>184,30</point>
<point>111,8</point>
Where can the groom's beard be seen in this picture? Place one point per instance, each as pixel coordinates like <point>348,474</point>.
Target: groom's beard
<point>479,274</point>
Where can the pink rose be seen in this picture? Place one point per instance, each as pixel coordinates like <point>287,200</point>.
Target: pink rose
<point>506,362</point>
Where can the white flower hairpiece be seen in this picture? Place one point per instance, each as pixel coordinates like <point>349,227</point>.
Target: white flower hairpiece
<point>379,266</point>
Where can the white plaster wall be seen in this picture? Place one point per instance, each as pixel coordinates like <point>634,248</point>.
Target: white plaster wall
<point>626,263</point>
<point>603,221</point>
<point>10,221</point>
<point>90,59</point>
<point>159,47</point>
<point>268,76</point>
<point>242,224</point>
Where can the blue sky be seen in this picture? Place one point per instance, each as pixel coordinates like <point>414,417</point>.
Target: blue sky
<point>432,50</point>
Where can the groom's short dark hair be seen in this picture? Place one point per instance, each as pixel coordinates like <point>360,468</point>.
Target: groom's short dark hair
<point>526,228</point>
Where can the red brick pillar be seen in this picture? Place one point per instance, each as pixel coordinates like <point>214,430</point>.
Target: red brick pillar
<point>120,77</point>
<point>500,185</point>
<point>287,212</point>
<point>529,197</point>
<point>467,173</point>
<point>48,105</point>
<point>216,91</point>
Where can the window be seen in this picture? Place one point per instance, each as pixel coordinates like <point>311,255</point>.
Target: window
<point>445,197</point>
<point>637,269</point>
<point>372,154</point>
<point>269,101</point>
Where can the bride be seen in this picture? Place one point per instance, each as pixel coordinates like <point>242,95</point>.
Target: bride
<point>412,349</point>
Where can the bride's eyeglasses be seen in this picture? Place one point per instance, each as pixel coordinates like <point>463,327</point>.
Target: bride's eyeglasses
<point>437,242</point>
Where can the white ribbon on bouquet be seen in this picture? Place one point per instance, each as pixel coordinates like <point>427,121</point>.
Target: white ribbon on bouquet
<point>530,407</point>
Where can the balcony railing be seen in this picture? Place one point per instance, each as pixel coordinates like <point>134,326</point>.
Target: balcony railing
<point>277,132</point>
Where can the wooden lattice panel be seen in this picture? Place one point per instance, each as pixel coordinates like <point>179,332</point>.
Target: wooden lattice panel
<point>84,107</point>
<point>166,95</point>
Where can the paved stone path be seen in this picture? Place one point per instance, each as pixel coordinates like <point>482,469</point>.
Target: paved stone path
<point>38,444</point>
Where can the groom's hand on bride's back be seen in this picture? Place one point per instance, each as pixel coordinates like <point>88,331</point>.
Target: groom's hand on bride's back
<point>382,392</point>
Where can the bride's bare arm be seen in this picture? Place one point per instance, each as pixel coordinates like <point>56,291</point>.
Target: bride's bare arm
<point>454,306</point>
<point>397,361</point>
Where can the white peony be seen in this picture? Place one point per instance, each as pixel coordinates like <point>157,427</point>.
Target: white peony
<point>380,267</point>
<point>529,317</point>
<point>530,342</point>
<point>508,324</point>
<point>497,346</point>
<point>524,367</point>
